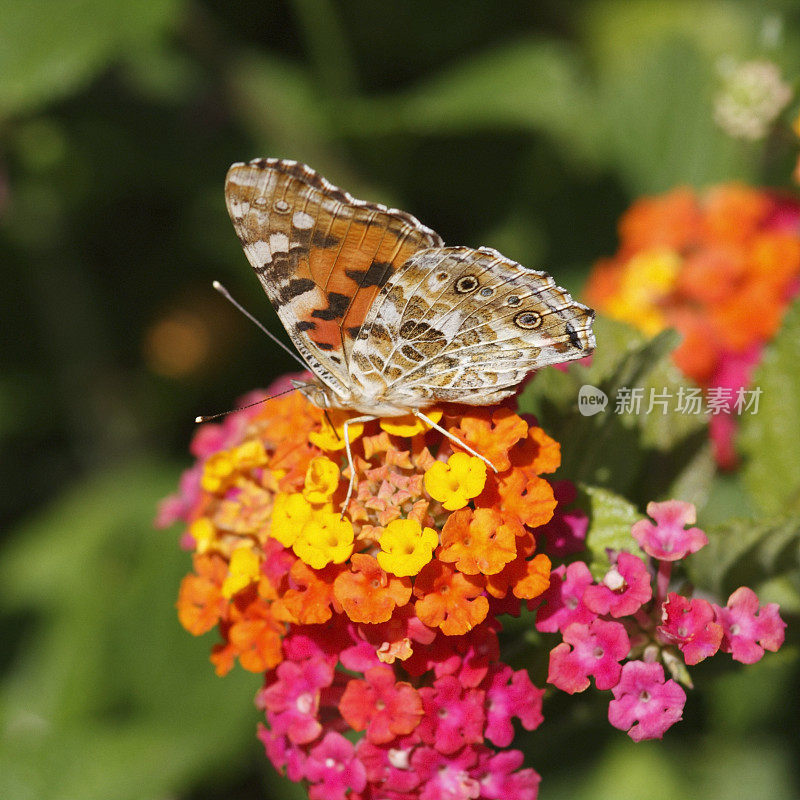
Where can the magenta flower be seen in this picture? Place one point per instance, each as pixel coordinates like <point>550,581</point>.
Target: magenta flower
<point>563,602</point>
<point>292,701</point>
<point>453,716</point>
<point>282,753</point>
<point>389,767</point>
<point>667,540</point>
<point>691,625</point>
<point>596,650</point>
<point>746,630</point>
<point>333,769</point>
<point>178,506</point>
<point>644,704</point>
<point>520,699</point>
<point>623,590</point>
<point>446,777</point>
<point>386,709</point>
<point>566,531</point>
<point>499,780</point>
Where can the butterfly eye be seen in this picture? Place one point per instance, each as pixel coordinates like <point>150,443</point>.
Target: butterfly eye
<point>528,320</point>
<point>513,300</point>
<point>487,292</point>
<point>466,284</point>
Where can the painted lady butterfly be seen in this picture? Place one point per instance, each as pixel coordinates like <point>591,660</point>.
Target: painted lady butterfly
<point>389,320</point>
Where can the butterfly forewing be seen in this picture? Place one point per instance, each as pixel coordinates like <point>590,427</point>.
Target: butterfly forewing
<point>321,256</point>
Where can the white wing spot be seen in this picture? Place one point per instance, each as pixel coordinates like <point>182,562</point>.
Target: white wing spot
<point>279,243</point>
<point>302,220</point>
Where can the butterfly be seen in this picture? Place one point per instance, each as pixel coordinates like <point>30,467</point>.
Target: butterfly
<point>389,320</point>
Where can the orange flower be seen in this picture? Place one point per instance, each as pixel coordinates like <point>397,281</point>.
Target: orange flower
<point>527,579</point>
<point>200,600</point>
<point>309,600</point>
<point>491,432</point>
<point>536,453</point>
<point>481,541</point>
<point>368,594</point>
<point>530,498</point>
<point>258,642</point>
<point>448,599</point>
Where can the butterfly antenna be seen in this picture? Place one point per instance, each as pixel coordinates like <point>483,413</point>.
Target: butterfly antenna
<point>227,295</point>
<point>209,417</point>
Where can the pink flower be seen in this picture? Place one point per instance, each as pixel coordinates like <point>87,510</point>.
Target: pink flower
<point>644,704</point>
<point>292,701</point>
<point>453,716</point>
<point>596,650</point>
<point>386,709</point>
<point>734,372</point>
<point>472,655</point>
<point>446,777</point>
<point>566,531</point>
<point>667,540</point>
<point>389,766</point>
<point>177,506</point>
<point>691,625</point>
<point>499,781</point>
<point>623,590</point>
<point>748,631</point>
<point>563,601</point>
<point>333,769</point>
<point>282,753</point>
<point>503,701</point>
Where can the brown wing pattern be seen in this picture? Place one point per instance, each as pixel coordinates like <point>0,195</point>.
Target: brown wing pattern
<point>321,255</point>
<point>467,325</point>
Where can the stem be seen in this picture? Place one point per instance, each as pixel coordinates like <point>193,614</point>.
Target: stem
<point>662,580</point>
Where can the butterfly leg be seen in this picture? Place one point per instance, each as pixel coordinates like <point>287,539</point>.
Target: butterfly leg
<point>428,421</point>
<point>346,434</point>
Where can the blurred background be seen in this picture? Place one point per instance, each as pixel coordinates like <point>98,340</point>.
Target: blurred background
<point>525,126</point>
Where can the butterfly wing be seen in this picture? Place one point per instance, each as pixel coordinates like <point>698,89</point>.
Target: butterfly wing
<point>463,325</point>
<point>321,255</point>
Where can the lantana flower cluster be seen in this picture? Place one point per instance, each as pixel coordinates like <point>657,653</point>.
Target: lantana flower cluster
<point>623,629</point>
<point>721,267</point>
<point>382,620</point>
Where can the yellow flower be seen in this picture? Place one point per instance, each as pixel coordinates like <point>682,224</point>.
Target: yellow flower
<point>454,483</point>
<point>204,533</point>
<point>289,514</point>
<point>325,538</point>
<point>249,455</point>
<point>405,547</point>
<point>219,469</point>
<point>322,480</point>
<point>243,569</point>
<point>649,276</point>
<point>408,425</point>
<point>332,438</point>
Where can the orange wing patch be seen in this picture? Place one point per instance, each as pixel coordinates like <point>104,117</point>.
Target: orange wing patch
<point>321,256</point>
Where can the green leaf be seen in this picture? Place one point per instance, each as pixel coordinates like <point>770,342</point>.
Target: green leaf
<point>104,695</point>
<point>770,439</point>
<point>641,456</point>
<point>529,85</point>
<point>47,51</point>
<point>750,553</point>
<point>656,80</point>
<point>610,521</point>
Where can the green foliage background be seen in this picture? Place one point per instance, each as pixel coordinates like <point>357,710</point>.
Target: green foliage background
<point>527,126</point>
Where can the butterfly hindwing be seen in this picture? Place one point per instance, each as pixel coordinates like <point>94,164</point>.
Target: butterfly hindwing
<point>467,325</point>
<point>321,256</point>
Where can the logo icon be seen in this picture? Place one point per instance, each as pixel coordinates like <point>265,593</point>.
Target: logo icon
<point>591,400</point>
